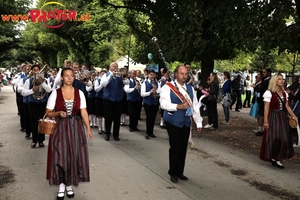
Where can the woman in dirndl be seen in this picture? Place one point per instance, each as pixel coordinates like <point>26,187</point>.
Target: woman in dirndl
<point>68,161</point>
<point>277,142</point>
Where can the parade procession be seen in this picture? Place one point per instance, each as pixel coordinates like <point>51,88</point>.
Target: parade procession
<point>110,99</point>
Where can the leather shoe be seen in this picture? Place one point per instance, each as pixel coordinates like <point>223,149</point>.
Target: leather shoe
<point>60,197</point>
<point>136,129</point>
<point>259,133</point>
<point>116,138</point>
<point>147,136</point>
<point>152,135</point>
<point>70,194</point>
<point>41,144</point>
<point>183,177</point>
<point>100,132</point>
<point>130,130</point>
<point>174,179</point>
<point>162,127</point>
<point>107,138</point>
<point>27,136</point>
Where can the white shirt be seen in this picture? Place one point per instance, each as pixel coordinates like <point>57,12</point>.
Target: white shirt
<point>165,102</point>
<point>52,100</point>
<point>26,91</point>
<point>127,88</point>
<point>98,86</point>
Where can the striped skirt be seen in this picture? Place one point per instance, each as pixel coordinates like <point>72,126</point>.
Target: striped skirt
<point>277,141</point>
<point>68,160</point>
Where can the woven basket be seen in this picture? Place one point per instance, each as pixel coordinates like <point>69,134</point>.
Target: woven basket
<point>47,126</point>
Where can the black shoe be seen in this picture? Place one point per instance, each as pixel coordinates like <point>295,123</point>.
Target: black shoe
<point>183,177</point>
<point>100,132</point>
<point>237,111</point>
<point>116,138</point>
<point>130,130</point>
<point>277,164</point>
<point>107,138</point>
<point>104,132</point>
<point>273,162</point>
<point>60,198</point>
<point>136,129</point>
<point>174,179</point>
<point>22,129</point>
<point>41,144</point>
<point>27,136</point>
<point>147,136</point>
<point>33,145</point>
<point>259,133</point>
<point>152,135</point>
<point>70,194</point>
<point>162,127</point>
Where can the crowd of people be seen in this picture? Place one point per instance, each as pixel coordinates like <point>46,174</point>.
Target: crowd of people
<point>81,99</point>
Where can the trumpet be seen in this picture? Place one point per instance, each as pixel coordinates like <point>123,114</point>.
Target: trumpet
<point>154,86</point>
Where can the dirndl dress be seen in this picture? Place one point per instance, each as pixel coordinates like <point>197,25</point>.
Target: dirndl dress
<point>277,141</point>
<point>68,160</point>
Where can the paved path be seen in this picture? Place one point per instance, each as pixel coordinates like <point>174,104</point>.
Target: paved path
<point>135,168</point>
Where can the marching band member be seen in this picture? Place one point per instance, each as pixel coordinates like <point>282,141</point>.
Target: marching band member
<point>150,92</point>
<point>164,79</point>
<point>179,101</point>
<point>124,112</point>
<point>91,100</point>
<point>133,100</point>
<point>99,104</point>
<point>57,82</point>
<point>112,98</point>
<point>140,79</point>
<point>19,97</point>
<point>25,103</point>
<point>36,106</point>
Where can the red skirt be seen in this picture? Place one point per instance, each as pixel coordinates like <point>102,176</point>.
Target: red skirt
<point>68,160</point>
<point>277,141</point>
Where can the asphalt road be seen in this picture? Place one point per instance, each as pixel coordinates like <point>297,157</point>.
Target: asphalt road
<point>136,168</point>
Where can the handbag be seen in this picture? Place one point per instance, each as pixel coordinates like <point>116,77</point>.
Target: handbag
<point>46,126</point>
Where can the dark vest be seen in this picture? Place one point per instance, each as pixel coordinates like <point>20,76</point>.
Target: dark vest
<point>178,118</point>
<point>150,100</point>
<point>33,100</point>
<point>135,95</point>
<point>100,93</point>
<point>114,89</point>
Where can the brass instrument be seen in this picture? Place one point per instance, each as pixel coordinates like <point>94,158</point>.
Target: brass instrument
<point>36,82</point>
<point>155,94</point>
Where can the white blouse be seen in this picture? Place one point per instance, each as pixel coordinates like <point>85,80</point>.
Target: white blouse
<point>53,96</point>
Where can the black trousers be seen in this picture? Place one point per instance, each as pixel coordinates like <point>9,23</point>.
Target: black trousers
<point>20,109</point>
<point>213,113</point>
<point>133,110</point>
<point>151,112</point>
<point>36,111</point>
<point>112,113</point>
<point>27,118</point>
<point>178,140</point>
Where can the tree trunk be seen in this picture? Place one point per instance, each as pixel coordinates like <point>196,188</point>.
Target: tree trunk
<point>207,66</point>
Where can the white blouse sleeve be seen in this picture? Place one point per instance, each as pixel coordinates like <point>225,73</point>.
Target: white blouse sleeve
<point>82,100</point>
<point>267,96</point>
<point>51,100</point>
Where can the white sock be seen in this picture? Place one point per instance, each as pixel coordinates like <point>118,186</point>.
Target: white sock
<point>61,191</point>
<point>124,118</point>
<point>103,124</point>
<point>94,120</point>
<point>69,190</point>
<point>99,123</point>
<point>161,121</point>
